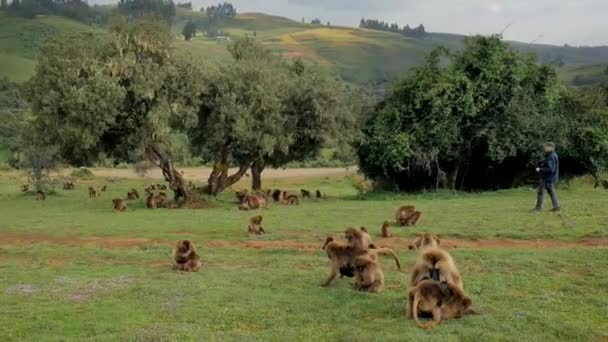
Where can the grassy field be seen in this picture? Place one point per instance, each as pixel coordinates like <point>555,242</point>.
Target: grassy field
<point>70,268</point>
<point>359,56</point>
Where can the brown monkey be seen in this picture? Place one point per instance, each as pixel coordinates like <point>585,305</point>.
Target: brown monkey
<point>342,254</point>
<point>163,187</point>
<point>68,185</point>
<point>160,200</point>
<point>152,187</point>
<point>240,196</point>
<point>276,195</point>
<point>385,231</point>
<point>442,300</point>
<point>305,193</point>
<point>255,225</point>
<point>40,195</point>
<point>130,196</point>
<point>253,201</point>
<point>92,192</point>
<point>151,201</point>
<point>424,240</point>
<point>185,256</point>
<point>319,195</point>
<point>290,199</point>
<point>135,193</point>
<point>120,205</point>
<point>25,188</point>
<point>104,188</point>
<point>368,274</point>
<point>407,216</point>
<point>435,264</point>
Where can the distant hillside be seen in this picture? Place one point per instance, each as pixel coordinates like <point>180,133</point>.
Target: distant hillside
<point>360,56</point>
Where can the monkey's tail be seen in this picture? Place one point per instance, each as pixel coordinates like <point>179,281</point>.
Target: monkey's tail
<point>391,252</point>
<point>328,240</point>
<point>428,325</point>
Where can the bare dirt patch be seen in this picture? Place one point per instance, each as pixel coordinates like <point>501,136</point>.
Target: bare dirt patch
<point>96,288</point>
<point>21,289</point>
<point>105,242</point>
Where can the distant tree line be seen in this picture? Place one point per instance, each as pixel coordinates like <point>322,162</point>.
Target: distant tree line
<point>418,32</point>
<point>216,16</point>
<point>185,5</point>
<point>133,9</point>
<point>75,9</point>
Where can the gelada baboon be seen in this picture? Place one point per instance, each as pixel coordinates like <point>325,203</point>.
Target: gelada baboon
<point>150,201</point>
<point>40,195</point>
<point>423,241</point>
<point>305,193</point>
<point>68,185</point>
<point>254,201</point>
<point>185,256</point>
<point>92,192</point>
<point>435,264</point>
<point>441,300</point>
<point>319,194</point>
<point>160,199</point>
<point>255,226</point>
<point>120,205</point>
<point>240,196</point>
<point>385,230</point>
<point>163,187</point>
<point>368,274</point>
<point>25,188</point>
<point>276,195</point>
<point>290,199</point>
<point>407,216</point>
<point>342,254</point>
<point>104,188</point>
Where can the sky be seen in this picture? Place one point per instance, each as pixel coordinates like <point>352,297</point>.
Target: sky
<point>574,22</point>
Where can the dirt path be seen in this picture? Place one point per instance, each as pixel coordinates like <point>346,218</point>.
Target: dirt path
<point>200,174</point>
<point>7,238</point>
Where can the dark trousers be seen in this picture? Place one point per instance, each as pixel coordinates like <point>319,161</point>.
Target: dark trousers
<point>549,187</point>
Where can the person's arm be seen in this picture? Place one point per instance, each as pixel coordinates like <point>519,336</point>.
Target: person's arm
<point>549,167</point>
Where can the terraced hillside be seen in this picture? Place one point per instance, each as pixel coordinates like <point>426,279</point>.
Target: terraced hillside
<point>359,56</point>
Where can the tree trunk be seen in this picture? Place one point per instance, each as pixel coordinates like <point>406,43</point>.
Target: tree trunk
<point>453,175</point>
<point>171,175</point>
<point>256,174</point>
<point>219,179</point>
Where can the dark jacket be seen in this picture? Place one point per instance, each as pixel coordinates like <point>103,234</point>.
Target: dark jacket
<point>549,168</point>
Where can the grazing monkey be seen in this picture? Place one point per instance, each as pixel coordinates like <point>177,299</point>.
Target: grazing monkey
<point>305,193</point>
<point>342,255</point>
<point>150,201</point>
<point>368,274</point>
<point>160,200</point>
<point>40,195</point>
<point>442,300</point>
<point>104,188</point>
<point>435,264</point>
<point>68,185</point>
<point>407,216</point>
<point>290,199</point>
<point>253,201</point>
<point>276,195</point>
<point>255,226</point>
<point>92,192</point>
<point>185,256</point>
<point>319,194</point>
<point>385,231</point>
<point>423,241</point>
<point>25,188</point>
<point>120,205</point>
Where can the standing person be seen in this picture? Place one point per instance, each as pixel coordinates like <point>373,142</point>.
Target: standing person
<point>548,171</point>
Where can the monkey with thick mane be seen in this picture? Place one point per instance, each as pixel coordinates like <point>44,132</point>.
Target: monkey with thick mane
<point>342,254</point>
<point>368,274</point>
<point>435,264</point>
<point>120,205</point>
<point>254,201</point>
<point>185,256</point>
<point>407,216</point>
<point>255,225</point>
<point>423,241</point>
<point>440,299</point>
<point>40,195</point>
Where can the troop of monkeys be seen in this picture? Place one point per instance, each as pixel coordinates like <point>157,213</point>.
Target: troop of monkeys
<point>435,287</point>
<point>153,200</point>
<point>256,200</point>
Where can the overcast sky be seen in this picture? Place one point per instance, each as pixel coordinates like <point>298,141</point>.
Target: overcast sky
<point>576,22</point>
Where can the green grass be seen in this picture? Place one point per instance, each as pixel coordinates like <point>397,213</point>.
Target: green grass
<point>89,273</point>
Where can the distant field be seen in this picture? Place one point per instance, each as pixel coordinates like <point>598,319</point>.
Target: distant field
<point>71,269</point>
<point>359,56</point>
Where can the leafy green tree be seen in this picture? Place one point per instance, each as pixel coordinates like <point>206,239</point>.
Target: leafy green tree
<point>133,9</point>
<point>473,123</point>
<point>3,4</point>
<point>189,30</point>
<point>118,97</point>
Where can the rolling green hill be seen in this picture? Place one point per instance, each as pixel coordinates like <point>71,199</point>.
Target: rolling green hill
<point>359,56</point>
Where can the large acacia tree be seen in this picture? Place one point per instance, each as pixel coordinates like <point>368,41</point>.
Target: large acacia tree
<point>118,95</point>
